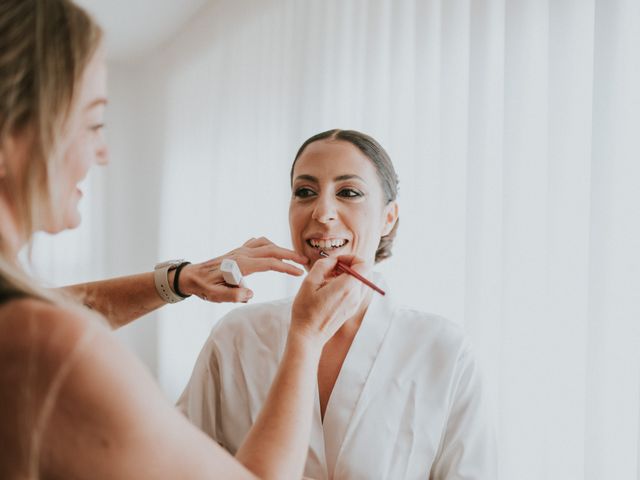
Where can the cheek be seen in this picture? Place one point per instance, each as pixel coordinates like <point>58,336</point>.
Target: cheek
<point>359,217</point>
<point>78,158</point>
<point>366,225</point>
<point>295,226</point>
<point>74,169</point>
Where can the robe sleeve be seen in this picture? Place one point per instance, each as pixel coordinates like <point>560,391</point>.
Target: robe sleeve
<point>468,448</point>
<point>200,402</point>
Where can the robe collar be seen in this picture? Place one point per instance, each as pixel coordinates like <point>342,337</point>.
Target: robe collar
<point>351,390</point>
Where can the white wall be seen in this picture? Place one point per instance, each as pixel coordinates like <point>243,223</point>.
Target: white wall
<point>135,129</point>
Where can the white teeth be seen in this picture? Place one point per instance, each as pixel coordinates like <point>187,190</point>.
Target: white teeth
<point>325,244</point>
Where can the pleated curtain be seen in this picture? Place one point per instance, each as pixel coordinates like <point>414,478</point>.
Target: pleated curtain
<point>514,126</point>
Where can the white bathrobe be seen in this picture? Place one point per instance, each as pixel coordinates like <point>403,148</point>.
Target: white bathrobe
<point>407,403</point>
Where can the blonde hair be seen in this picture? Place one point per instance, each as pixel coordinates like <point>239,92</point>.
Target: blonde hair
<point>45,47</point>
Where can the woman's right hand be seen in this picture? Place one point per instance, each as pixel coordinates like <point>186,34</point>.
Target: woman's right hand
<point>326,300</point>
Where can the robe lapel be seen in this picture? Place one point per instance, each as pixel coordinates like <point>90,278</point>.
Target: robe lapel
<point>316,466</point>
<point>349,391</point>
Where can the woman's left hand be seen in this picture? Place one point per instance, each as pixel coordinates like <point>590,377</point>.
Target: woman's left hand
<point>205,279</point>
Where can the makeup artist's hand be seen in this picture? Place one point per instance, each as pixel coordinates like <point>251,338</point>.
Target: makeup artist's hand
<point>327,298</point>
<point>256,255</point>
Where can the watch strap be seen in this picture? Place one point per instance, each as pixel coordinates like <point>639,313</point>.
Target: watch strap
<point>176,277</point>
<point>161,280</point>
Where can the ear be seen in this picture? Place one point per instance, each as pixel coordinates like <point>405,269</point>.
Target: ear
<point>390,217</point>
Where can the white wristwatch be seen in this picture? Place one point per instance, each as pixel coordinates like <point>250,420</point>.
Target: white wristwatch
<point>161,279</point>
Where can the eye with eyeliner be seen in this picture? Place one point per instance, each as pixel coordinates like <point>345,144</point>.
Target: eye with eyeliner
<point>303,192</point>
<point>350,193</point>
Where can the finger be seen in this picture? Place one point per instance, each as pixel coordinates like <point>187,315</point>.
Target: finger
<point>326,268</point>
<point>321,270</point>
<point>350,259</point>
<point>342,282</point>
<point>278,252</point>
<point>223,293</point>
<point>257,242</point>
<point>356,263</point>
<point>253,265</point>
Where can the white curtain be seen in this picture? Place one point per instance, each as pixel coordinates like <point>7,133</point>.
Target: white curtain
<point>514,126</point>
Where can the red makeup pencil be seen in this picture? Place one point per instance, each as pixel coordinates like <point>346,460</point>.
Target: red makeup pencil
<point>347,269</point>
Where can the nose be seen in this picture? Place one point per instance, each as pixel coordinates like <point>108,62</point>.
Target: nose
<point>325,209</point>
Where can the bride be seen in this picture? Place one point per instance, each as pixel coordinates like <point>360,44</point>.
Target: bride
<point>399,394</point>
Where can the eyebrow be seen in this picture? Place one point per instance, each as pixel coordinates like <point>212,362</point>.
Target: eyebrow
<point>96,102</point>
<point>339,178</point>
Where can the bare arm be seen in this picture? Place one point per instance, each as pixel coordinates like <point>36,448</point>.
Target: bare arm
<point>124,299</point>
<point>120,300</point>
<point>283,428</point>
<point>110,420</point>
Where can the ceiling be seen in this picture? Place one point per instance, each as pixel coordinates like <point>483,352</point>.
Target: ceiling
<point>134,27</point>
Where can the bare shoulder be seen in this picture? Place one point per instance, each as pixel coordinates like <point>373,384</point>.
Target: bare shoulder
<point>36,339</point>
<point>40,335</point>
<point>101,413</point>
<point>21,317</point>
<point>97,411</point>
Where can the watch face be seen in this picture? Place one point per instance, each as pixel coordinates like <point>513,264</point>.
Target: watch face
<point>169,263</point>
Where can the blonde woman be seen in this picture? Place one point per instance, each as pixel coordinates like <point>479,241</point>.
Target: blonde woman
<point>73,402</point>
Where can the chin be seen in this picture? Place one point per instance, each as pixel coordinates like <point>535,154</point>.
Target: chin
<point>55,220</point>
<point>72,222</point>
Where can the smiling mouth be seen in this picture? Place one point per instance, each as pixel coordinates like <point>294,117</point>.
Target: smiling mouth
<point>327,245</point>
